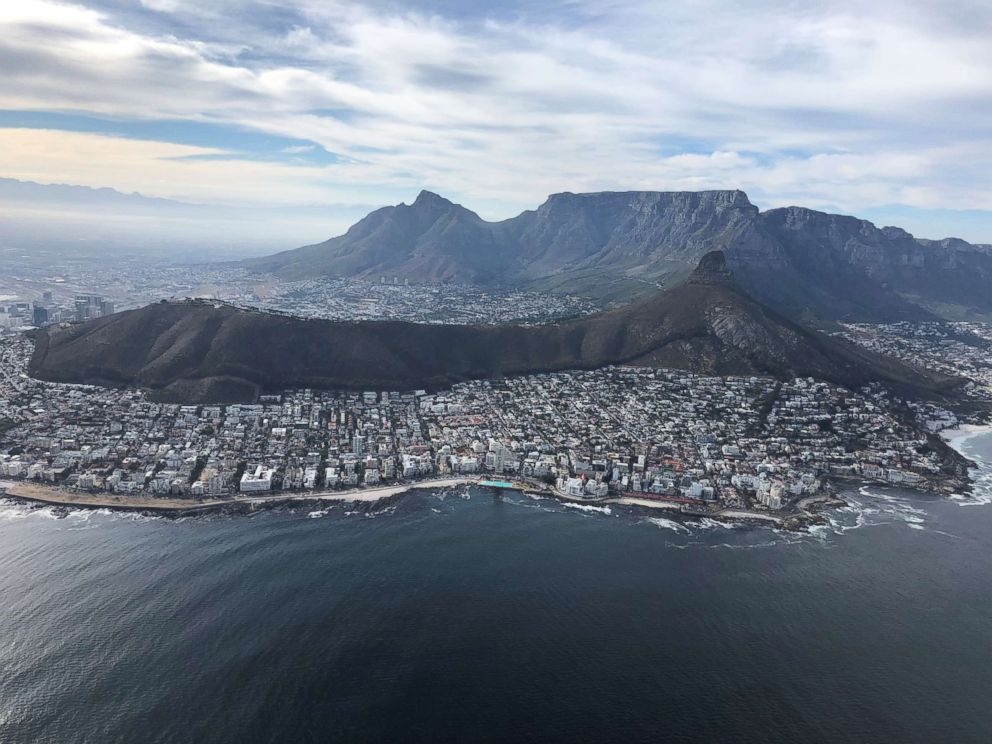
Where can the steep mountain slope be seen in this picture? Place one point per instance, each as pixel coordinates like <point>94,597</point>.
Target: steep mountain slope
<point>638,230</point>
<point>197,351</point>
<point>805,264</point>
<point>431,240</point>
<point>854,253</point>
<point>434,239</point>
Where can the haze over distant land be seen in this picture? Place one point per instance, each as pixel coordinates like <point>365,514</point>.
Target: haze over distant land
<point>257,109</point>
<point>67,217</point>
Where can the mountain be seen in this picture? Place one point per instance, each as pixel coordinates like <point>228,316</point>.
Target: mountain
<point>887,260</point>
<point>804,263</point>
<point>431,240</point>
<point>200,351</point>
<point>434,239</point>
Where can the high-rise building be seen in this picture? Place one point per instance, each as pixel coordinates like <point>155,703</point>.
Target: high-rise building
<point>90,306</point>
<point>358,445</point>
<point>41,316</point>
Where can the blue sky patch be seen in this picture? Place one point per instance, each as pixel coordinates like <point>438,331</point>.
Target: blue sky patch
<point>239,143</point>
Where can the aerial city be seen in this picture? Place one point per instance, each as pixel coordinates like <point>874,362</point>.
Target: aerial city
<point>382,372</point>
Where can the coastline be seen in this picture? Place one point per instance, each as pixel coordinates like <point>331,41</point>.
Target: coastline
<point>960,434</point>
<point>808,511</point>
<point>38,494</point>
<point>33,493</point>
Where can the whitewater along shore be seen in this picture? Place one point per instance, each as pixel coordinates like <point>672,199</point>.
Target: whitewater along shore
<point>808,510</point>
<point>365,498</point>
<point>964,432</point>
<point>39,494</point>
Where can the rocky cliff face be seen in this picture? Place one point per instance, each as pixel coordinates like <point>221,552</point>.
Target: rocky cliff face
<point>896,265</point>
<point>436,240</point>
<point>197,352</point>
<point>638,230</point>
<point>804,263</point>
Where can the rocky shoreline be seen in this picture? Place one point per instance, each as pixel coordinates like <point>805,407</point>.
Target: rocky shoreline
<point>373,500</point>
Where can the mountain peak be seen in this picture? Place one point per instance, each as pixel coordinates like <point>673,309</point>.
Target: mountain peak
<point>712,269</point>
<point>803,262</point>
<point>429,199</point>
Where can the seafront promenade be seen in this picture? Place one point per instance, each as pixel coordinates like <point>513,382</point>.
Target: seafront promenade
<point>53,496</point>
<point>40,494</point>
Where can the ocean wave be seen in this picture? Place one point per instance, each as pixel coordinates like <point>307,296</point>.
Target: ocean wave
<point>870,507</point>
<point>981,489</point>
<point>668,524</point>
<point>587,507</point>
<point>957,438</point>
<point>12,510</point>
<point>708,524</point>
<point>824,531</point>
<point>754,546</point>
<point>981,476</point>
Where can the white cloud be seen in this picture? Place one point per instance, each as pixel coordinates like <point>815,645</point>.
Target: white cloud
<point>156,168</point>
<point>855,104</point>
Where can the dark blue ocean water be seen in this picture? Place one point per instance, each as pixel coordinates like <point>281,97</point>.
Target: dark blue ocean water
<point>463,618</point>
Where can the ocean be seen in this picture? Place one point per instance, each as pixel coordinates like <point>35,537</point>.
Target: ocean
<point>465,616</point>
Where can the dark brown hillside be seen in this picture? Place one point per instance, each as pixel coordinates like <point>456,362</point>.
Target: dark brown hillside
<point>198,351</point>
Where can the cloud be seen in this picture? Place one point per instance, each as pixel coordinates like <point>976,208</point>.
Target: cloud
<point>854,105</point>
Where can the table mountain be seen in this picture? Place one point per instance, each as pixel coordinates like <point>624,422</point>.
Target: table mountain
<point>799,261</point>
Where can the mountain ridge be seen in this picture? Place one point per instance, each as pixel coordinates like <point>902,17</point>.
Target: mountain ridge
<point>803,262</point>
<point>199,351</point>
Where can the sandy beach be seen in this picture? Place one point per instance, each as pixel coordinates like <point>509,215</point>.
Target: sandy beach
<point>648,503</point>
<point>47,495</point>
<point>964,432</point>
<point>364,494</point>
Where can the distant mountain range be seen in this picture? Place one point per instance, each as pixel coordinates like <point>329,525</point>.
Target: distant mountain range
<point>198,351</point>
<point>805,264</point>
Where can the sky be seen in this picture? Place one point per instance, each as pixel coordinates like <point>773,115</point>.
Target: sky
<point>878,108</point>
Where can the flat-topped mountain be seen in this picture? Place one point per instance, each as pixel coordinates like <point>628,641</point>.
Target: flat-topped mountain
<point>799,261</point>
<point>198,351</point>
<point>434,239</point>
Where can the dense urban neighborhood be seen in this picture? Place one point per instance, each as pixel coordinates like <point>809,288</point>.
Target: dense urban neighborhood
<point>32,296</point>
<point>963,349</point>
<point>665,437</point>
